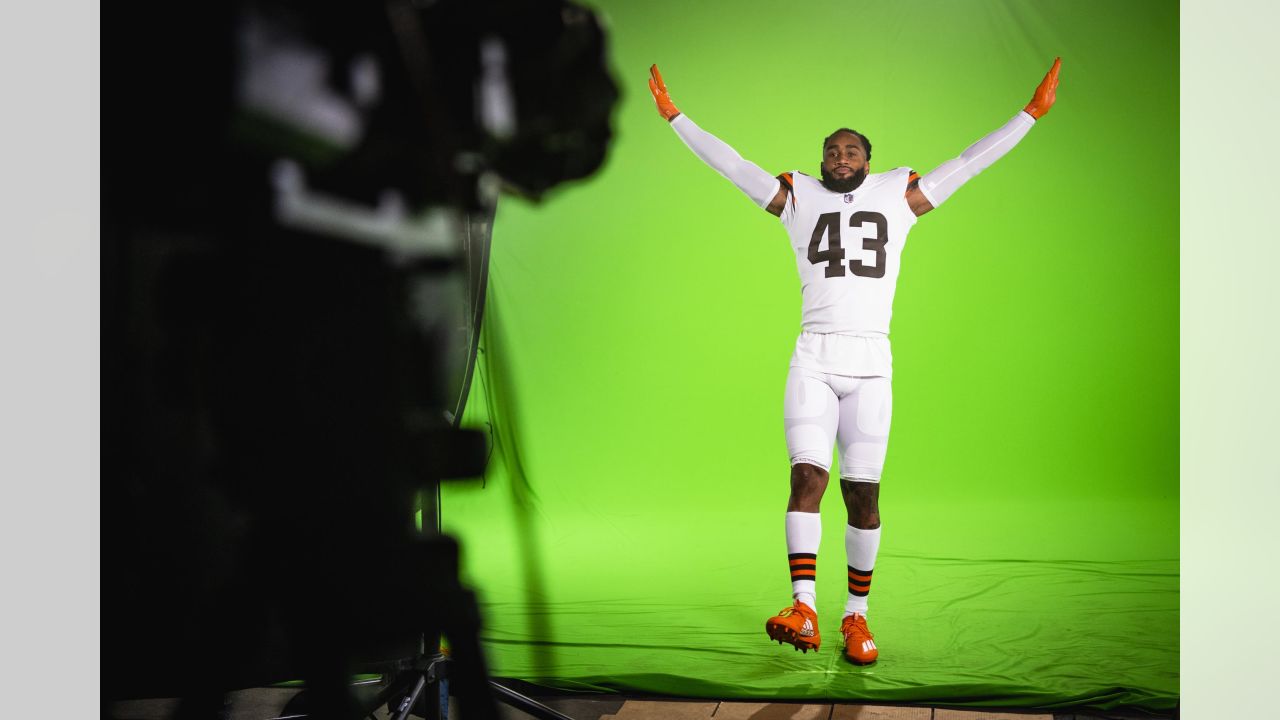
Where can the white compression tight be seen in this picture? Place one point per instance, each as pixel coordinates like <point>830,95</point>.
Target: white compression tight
<point>821,408</point>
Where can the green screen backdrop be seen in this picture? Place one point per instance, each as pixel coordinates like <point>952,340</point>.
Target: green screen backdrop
<point>629,531</point>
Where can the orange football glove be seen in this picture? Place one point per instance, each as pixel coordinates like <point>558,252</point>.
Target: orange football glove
<point>1046,93</point>
<point>659,89</point>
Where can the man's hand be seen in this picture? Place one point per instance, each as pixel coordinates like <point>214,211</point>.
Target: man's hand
<point>1046,93</point>
<point>659,89</point>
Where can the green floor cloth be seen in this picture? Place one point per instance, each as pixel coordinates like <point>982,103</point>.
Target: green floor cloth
<point>962,632</point>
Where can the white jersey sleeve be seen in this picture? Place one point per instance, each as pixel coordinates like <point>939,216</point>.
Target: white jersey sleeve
<point>746,175</point>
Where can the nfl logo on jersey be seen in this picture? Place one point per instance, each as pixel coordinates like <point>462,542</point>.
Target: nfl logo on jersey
<point>848,197</point>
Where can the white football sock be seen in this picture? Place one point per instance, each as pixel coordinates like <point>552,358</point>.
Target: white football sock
<point>861,547</point>
<point>804,533</point>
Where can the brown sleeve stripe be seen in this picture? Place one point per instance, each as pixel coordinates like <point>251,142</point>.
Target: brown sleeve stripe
<point>855,571</point>
<point>913,180</point>
<point>859,586</point>
<point>802,556</point>
<point>785,179</point>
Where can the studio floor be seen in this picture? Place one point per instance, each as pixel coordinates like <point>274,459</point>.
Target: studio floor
<point>272,704</point>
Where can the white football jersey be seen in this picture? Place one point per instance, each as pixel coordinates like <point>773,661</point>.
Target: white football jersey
<point>848,249</point>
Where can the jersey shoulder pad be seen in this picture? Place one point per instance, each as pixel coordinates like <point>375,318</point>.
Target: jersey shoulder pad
<point>803,181</point>
<point>903,175</point>
<point>789,180</point>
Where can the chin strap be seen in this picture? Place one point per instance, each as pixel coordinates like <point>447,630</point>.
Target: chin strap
<point>938,185</point>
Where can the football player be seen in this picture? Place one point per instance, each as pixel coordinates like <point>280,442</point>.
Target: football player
<point>847,227</point>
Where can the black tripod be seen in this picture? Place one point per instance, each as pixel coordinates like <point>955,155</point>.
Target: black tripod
<point>422,681</point>
<point>423,684</point>
<point>427,685</point>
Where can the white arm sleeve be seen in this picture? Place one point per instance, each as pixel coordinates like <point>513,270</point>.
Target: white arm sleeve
<point>938,185</point>
<point>759,185</point>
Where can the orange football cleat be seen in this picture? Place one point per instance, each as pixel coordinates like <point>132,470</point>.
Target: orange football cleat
<point>858,645</point>
<point>797,625</point>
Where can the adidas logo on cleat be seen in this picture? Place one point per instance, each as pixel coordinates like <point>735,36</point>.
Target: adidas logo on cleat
<point>795,625</point>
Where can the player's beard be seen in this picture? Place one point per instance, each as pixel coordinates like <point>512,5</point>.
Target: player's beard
<point>830,182</point>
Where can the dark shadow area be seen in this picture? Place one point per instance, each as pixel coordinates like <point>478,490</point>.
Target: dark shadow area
<point>295,237</point>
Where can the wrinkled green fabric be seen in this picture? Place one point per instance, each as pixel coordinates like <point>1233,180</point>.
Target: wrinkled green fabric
<point>1085,642</point>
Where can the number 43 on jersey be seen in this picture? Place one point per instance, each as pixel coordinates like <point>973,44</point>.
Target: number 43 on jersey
<point>829,225</point>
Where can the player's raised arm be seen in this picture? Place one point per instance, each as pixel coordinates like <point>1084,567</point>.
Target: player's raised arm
<point>933,189</point>
<point>764,189</point>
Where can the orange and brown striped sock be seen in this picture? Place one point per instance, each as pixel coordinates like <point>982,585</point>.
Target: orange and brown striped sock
<point>804,569</point>
<point>859,586</point>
